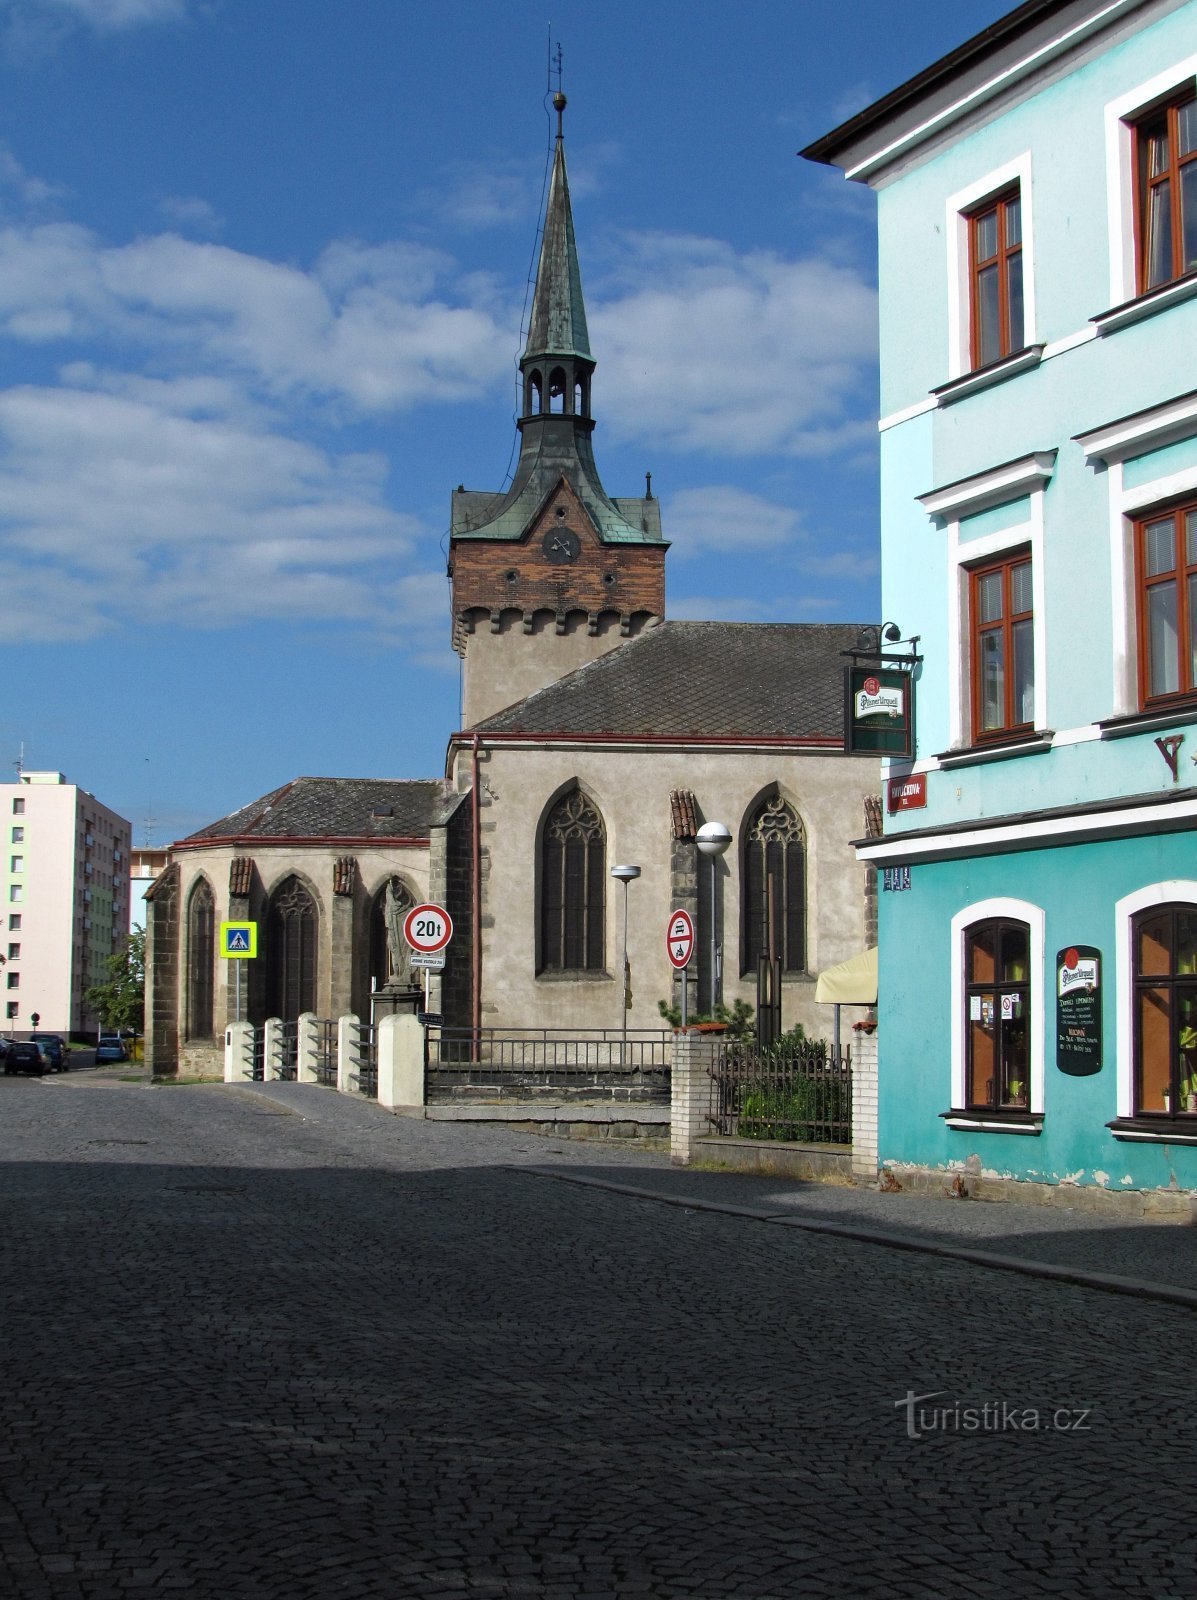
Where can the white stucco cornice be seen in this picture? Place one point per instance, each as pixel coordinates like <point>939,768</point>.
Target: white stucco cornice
<point>1141,432</point>
<point>990,488</point>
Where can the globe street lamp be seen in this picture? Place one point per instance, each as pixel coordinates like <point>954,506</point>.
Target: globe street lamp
<point>713,839</point>
<point>626,875</point>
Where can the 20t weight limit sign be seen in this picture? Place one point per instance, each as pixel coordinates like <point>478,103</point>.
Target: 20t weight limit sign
<point>428,929</point>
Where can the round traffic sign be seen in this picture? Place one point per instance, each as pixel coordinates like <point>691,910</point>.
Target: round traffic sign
<point>679,940</point>
<point>428,928</point>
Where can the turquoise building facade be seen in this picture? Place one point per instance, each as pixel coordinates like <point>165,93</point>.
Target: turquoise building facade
<point>1037,223</point>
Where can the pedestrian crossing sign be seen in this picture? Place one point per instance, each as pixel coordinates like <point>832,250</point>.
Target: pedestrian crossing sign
<point>238,940</point>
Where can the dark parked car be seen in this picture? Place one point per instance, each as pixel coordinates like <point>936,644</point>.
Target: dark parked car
<point>27,1055</point>
<point>55,1047</point>
<point>111,1047</point>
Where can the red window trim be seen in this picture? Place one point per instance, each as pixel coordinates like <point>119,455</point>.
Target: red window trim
<point>1004,564</point>
<point>999,203</point>
<point>1168,108</point>
<point>1178,572</point>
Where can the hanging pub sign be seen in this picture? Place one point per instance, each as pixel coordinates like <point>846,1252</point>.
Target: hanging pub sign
<point>879,714</point>
<point>1078,1010</point>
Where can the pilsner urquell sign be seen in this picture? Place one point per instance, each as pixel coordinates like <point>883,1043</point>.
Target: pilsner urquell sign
<point>879,715</point>
<point>1078,1010</point>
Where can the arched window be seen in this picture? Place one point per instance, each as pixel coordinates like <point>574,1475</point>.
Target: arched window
<point>557,389</point>
<point>572,886</point>
<point>291,928</point>
<point>1164,953</point>
<point>201,957</point>
<point>390,955</point>
<point>997,1008</point>
<point>533,402</point>
<point>774,909</point>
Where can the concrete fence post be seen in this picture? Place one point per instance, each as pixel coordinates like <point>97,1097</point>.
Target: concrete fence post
<point>272,1035</point>
<point>308,1048</point>
<point>401,1065</point>
<point>689,1093</point>
<point>239,1052</point>
<point>865,1055</point>
<point>348,1047</point>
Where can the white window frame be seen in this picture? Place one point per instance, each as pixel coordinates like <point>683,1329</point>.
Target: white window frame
<point>958,209</point>
<point>1035,918</point>
<point>1111,446</point>
<point>1120,118</point>
<point>1125,911</point>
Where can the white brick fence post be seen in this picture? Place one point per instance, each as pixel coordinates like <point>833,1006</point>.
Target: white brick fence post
<point>401,1065</point>
<point>864,1106</point>
<point>308,1048</point>
<point>690,1093</point>
<point>272,1033</point>
<point>239,1052</point>
<point>348,1044</point>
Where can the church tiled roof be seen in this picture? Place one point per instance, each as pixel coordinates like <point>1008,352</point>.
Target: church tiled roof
<point>337,808</point>
<point>737,680</point>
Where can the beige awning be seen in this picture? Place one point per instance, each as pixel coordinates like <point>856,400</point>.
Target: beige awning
<point>851,983</point>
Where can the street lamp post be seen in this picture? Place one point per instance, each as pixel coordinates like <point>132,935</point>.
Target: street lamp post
<point>625,874</point>
<point>713,839</point>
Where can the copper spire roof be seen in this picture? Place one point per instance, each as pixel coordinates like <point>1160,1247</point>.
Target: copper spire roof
<point>558,323</point>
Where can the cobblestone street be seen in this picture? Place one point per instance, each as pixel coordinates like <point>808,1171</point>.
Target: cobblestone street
<point>348,1355</point>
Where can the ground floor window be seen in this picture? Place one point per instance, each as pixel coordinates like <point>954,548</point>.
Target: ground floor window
<point>997,1000</point>
<point>1164,955</point>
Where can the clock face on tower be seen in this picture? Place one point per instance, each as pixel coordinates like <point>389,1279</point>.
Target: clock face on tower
<point>561,546</point>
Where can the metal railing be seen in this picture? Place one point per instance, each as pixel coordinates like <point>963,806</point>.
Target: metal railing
<point>798,1091</point>
<point>366,1058</point>
<point>575,1059</point>
<point>257,1043</point>
<point>323,1036</point>
<point>285,1050</point>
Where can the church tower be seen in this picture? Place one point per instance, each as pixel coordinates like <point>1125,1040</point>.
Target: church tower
<point>553,573</point>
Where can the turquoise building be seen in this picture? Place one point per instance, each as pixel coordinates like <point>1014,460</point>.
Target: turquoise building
<point>1037,219</point>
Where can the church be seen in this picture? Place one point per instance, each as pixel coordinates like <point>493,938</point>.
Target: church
<point>596,734</point>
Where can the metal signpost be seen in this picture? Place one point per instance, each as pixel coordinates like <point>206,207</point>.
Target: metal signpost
<point>238,942</point>
<point>428,929</point>
<point>679,945</point>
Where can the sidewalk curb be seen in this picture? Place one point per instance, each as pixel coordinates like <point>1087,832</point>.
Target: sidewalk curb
<point>1082,1277</point>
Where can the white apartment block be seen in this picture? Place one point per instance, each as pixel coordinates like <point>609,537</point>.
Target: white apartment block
<point>64,898</point>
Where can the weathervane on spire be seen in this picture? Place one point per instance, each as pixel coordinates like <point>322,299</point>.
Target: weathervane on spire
<point>559,101</point>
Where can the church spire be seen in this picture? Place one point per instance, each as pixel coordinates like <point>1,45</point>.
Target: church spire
<point>557,326</point>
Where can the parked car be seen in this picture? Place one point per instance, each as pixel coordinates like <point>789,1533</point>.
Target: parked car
<point>111,1047</point>
<point>55,1047</point>
<point>27,1055</point>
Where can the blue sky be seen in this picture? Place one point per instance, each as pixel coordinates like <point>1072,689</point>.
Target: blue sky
<point>262,268</point>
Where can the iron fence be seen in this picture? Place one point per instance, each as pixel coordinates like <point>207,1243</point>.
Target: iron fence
<point>323,1042</point>
<point>366,1057</point>
<point>257,1051</point>
<point>795,1090</point>
<point>285,1053</point>
<point>575,1059</point>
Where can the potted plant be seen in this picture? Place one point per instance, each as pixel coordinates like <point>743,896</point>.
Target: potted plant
<point>1188,1092</point>
<point>1018,1092</point>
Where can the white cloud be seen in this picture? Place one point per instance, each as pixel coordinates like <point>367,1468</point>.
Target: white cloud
<point>378,328</point>
<point>118,506</point>
<point>724,517</point>
<point>191,212</point>
<point>105,16</point>
<point>711,350</point>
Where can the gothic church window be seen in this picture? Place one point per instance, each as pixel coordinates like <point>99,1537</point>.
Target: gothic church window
<point>201,960</point>
<point>572,886</point>
<point>774,906</point>
<point>291,929</point>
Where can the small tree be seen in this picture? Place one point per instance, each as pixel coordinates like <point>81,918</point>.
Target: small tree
<point>120,1003</point>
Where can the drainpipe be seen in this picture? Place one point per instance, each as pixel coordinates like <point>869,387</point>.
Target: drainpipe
<point>476,907</point>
